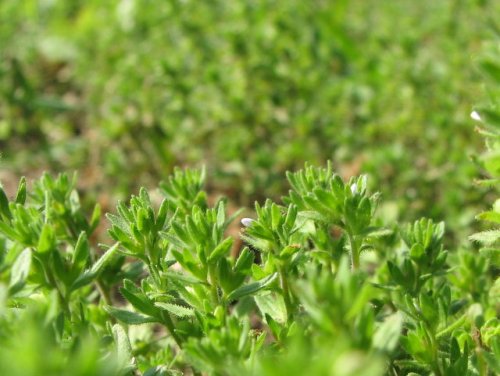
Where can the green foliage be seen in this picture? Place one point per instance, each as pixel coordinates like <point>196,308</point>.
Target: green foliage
<point>329,280</point>
<point>488,115</point>
<point>189,302</point>
<point>126,90</point>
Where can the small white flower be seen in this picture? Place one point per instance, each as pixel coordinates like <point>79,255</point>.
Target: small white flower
<point>354,188</point>
<point>247,221</point>
<point>475,116</point>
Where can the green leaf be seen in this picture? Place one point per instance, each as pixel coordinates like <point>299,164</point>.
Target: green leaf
<point>291,216</point>
<point>491,216</point>
<point>59,268</point>
<point>257,272</point>
<point>233,216</point>
<point>221,215</point>
<point>486,237</point>
<point>395,273</point>
<point>492,254</point>
<point>95,218</point>
<point>140,302</point>
<point>252,288</point>
<point>276,217</point>
<point>9,232</point>
<point>417,251</point>
<point>272,304</point>
<point>104,260</point>
<point>175,309</point>
<point>81,253</point>
<point>21,192</point>
<point>180,277</point>
<point>245,261</point>
<point>122,222</point>
<point>387,335</point>
<point>276,329</point>
<point>19,271</point>
<point>258,243</point>
<point>161,217</point>
<point>288,251</point>
<point>4,204</point>
<point>142,221</point>
<point>130,318</point>
<point>89,275</point>
<point>428,307</point>
<point>181,234</point>
<point>363,296</point>
<point>221,250</point>
<point>492,360</point>
<point>327,199</point>
<point>123,348</point>
<point>47,240</point>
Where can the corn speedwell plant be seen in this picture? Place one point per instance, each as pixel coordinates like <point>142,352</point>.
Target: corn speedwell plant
<point>319,285</point>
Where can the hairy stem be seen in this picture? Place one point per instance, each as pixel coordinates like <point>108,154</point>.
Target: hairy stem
<point>167,320</point>
<point>286,293</point>
<point>213,285</point>
<point>354,251</point>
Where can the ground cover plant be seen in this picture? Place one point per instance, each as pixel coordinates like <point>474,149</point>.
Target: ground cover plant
<point>319,288</point>
<point>338,276</point>
<point>124,90</point>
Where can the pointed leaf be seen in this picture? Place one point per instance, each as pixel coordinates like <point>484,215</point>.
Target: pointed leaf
<point>20,270</point>
<point>4,204</point>
<point>21,192</point>
<point>123,348</point>
<point>47,240</point>
<point>221,250</point>
<point>175,309</point>
<point>486,237</point>
<point>131,318</point>
<point>89,275</point>
<point>387,335</point>
<point>252,288</point>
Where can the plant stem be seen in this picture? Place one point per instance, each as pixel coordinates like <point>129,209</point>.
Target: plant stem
<point>167,320</point>
<point>213,285</point>
<point>286,293</point>
<point>458,323</point>
<point>354,251</point>
<point>482,366</point>
<point>154,273</point>
<point>431,338</point>
<point>103,292</point>
<point>52,281</point>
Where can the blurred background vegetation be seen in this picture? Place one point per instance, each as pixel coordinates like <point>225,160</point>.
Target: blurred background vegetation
<point>124,90</point>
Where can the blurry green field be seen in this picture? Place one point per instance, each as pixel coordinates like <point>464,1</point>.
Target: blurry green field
<point>123,91</point>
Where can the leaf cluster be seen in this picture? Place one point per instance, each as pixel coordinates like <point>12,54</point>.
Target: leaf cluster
<point>174,294</point>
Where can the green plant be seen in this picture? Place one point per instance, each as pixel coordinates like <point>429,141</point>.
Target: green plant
<point>319,274</point>
<point>52,284</point>
<point>125,90</point>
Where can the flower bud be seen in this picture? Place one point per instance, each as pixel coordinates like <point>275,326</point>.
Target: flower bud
<point>475,116</point>
<point>247,221</point>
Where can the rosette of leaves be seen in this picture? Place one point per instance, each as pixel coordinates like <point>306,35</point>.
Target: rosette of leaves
<point>339,214</point>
